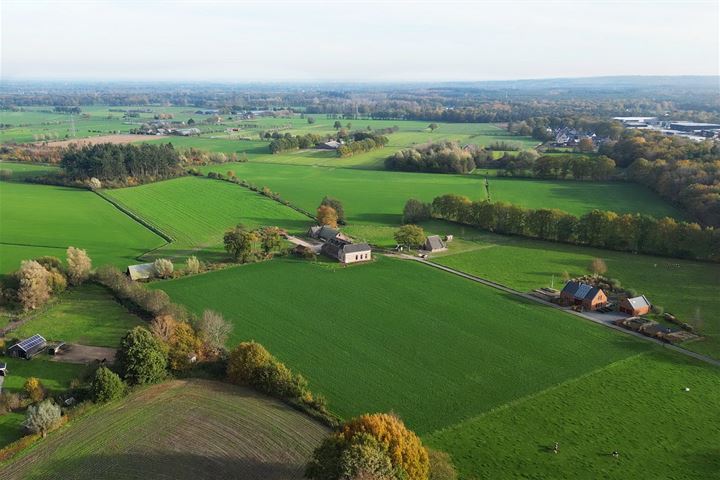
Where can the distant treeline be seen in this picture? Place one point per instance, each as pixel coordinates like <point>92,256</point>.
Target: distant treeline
<point>530,164</point>
<point>683,171</point>
<point>624,232</point>
<point>128,163</point>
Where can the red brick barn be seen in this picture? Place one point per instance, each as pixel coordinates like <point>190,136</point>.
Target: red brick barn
<point>635,306</point>
<point>589,297</point>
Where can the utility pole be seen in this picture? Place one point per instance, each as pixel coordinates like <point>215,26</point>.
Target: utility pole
<point>487,189</point>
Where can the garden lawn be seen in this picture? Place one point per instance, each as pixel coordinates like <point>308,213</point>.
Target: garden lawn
<point>11,427</point>
<point>55,376</point>
<point>636,406</point>
<point>398,336</point>
<point>375,199</point>
<point>43,219</point>
<point>196,212</point>
<point>181,429</point>
<point>87,315</point>
<point>688,289</point>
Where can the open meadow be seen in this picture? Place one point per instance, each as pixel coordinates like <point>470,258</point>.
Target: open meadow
<point>454,349</point>
<point>637,406</point>
<point>374,200</point>
<point>196,212</point>
<point>45,220</point>
<point>685,288</point>
<point>180,429</point>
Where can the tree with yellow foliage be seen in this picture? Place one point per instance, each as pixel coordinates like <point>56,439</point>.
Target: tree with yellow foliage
<point>326,215</point>
<point>34,389</point>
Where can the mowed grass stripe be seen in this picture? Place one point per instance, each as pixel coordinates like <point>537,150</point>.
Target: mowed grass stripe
<point>46,218</point>
<point>396,336</point>
<point>197,211</point>
<point>637,406</point>
<point>189,429</point>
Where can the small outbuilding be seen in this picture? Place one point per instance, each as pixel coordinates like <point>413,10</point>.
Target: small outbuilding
<point>141,271</point>
<point>330,145</point>
<point>56,348</point>
<point>635,306</point>
<point>582,294</point>
<point>434,243</point>
<point>3,370</point>
<point>27,348</point>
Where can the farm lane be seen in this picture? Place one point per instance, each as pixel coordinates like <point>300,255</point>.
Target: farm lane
<point>527,296</point>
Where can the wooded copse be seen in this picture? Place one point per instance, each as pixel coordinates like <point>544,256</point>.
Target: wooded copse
<point>359,142</point>
<point>445,157</point>
<point>602,229</point>
<point>122,164</point>
<point>529,163</point>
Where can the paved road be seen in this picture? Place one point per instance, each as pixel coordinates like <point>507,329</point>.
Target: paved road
<point>527,296</point>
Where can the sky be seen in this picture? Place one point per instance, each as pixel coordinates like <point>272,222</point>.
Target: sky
<point>371,41</point>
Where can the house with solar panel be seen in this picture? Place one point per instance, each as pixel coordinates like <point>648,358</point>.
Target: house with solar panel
<point>581,294</point>
<point>27,348</point>
<point>635,306</point>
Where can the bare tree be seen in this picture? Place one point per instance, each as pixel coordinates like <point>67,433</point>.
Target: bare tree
<point>79,265</point>
<point>163,267</point>
<point>214,330</point>
<point>192,265</point>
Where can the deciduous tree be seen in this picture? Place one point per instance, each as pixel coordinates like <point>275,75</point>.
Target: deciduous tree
<point>79,265</point>
<point>327,215</point>
<point>141,357</point>
<point>34,283</point>
<point>410,236</point>
<point>42,418</point>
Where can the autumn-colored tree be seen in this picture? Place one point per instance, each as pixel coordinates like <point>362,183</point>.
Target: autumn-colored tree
<point>597,266</point>
<point>163,327</point>
<point>585,145</point>
<point>34,389</point>
<point>34,283</point>
<point>441,466</point>
<point>245,360</point>
<point>184,345</point>
<point>192,265</point>
<point>270,240</point>
<point>79,265</point>
<point>326,215</point>
<point>163,267</point>
<point>363,447</point>
<point>337,205</point>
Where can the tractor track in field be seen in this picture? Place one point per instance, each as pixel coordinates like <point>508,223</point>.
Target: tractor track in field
<point>527,296</point>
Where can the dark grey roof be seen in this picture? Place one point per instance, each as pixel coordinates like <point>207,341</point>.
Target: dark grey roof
<point>27,345</point>
<point>326,233</point>
<point>434,242</point>
<point>580,291</point>
<point>333,246</point>
<point>356,247</point>
<point>639,302</point>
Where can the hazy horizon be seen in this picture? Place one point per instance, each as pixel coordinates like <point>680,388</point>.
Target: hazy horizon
<point>354,42</point>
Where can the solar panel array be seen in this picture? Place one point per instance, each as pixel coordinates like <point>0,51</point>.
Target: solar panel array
<point>582,291</point>
<point>32,342</point>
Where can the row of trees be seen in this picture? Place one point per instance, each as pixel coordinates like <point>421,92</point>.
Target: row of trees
<point>446,157</point>
<point>36,281</point>
<point>282,143</point>
<point>529,163</point>
<point>121,164</point>
<point>626,232</point>
<point>359,142</point>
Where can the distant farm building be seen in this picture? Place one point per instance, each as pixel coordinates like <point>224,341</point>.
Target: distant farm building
<point>582,294</point>
<point>329,145</point>
<point>28,348</point>
<point>434,243</point>
<point>346,252</point>
<point>142,271</point>
<point>186,132</point>
<point>635,306</point>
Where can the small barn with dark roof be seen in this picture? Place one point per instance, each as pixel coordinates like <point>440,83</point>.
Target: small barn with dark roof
<point>635,306</point>
<point>27,348</point>
<point>582,294</point>
<point>434,243</point>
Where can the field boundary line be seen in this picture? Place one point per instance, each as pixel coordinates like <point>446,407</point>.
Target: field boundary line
<point>527,296</point>
<point>127,211</point>
<point>517,401</point>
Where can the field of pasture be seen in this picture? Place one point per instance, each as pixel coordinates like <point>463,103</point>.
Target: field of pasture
<point>455,348</point>
<point>637,406</point>
<point>196,212</point>
<point>189,429</point>
<point>686,288</point>
<point>45,220</point>
<point>375,199</point>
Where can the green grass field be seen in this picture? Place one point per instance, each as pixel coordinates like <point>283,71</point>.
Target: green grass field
<point>686,288</point>
<point>375,199</point>
<point>181,430</point>
<point>196,212</point>
<point>87,315</point>
<point>11,427</point>
<point>55,376</point>
<point>22,171</point>
<point>453,350</point>
<point>636,406</point>
<point>45,220</point>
